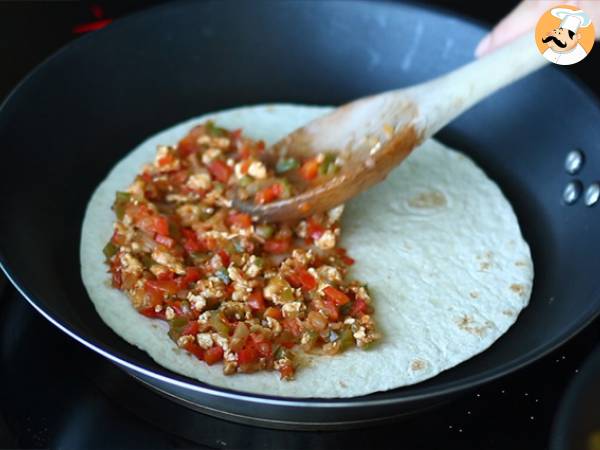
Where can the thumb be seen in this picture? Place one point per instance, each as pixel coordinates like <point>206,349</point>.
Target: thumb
<point>519,21</point>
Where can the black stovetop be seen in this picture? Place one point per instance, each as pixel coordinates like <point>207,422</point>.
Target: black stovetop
<point>54,393</point>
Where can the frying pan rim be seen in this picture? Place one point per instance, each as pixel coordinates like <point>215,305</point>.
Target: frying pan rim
<point>452,387</point>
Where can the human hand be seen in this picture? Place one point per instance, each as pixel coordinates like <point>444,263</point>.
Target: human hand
<point>524,18</point>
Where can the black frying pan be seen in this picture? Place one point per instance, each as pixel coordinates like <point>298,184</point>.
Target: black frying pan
<point>85,108</point>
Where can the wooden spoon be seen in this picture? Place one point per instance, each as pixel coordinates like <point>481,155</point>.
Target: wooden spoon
<point>372,135</point>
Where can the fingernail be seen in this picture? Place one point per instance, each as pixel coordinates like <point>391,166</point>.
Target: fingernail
<point>483,46</point>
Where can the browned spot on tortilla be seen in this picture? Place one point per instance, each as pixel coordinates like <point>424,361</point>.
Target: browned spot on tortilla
<point>417,364</point>
<point>508,312</point>
<point>517,288</point>
<point>489,254</point>
<point>520,263</point>
<point>485,266</point>
<point>474,294</point>
<point>466,323</point>
<point>342,384</point>
<point>428,200</point>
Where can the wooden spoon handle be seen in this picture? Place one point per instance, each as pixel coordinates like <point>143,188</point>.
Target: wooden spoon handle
<point>443,99</point>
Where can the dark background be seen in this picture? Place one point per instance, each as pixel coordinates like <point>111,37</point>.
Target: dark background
<point>56,394</point>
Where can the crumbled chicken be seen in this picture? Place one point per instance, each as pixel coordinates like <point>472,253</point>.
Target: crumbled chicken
<point>189,214</point>
<point>204,340</point>
<point>209,155</point>
<point>169,313</point>
<point>293,309</point>
<point>199,181</point>
<point>167,259</point>
<point>197,302</point>
<point>326,241</point>
<point>184,340</point>
<point>131,264</point>
<point>257,170</point>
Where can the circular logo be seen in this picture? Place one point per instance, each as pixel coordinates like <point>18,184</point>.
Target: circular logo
<point>564,35</point>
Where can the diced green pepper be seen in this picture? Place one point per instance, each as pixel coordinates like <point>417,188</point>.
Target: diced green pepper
<point>174,231</point>
<point>259,261</point>
<point>285,165</point>
<point>214,130</point>
<point>286,188</point>
<point>245,180</point>
<point>110,250</point>
<point>264,230</point>
<point>121,201</point>
<point>200,257</point>
<point>176,327</point>
<point>218,325</point>
<point>147,260</point>
<point>287,295</point>
<point>328,166</point>
<point>346,338</point>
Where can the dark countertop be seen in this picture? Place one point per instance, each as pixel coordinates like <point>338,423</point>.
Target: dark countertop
<point>57,394</point>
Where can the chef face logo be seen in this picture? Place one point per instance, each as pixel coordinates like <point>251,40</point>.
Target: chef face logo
<point>564,35</point>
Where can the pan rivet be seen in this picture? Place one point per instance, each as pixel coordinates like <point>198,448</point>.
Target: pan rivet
<point>592,194</point>
<point>572,192</point>
<point>574,161</point>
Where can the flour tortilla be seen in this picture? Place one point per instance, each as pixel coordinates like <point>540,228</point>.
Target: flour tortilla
<point>437,242</point>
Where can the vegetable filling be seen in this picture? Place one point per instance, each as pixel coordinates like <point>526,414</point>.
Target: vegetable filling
<point>252,295</point>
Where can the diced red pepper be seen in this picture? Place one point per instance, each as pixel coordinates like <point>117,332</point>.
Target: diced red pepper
<point>359,307</point>
<point>263,346</point>
<point>292,325</point>
<point>310,169</point>
<point>191,242</point>
<point>248,354</point>
<point>164,240</point>
<point>115,269</point>
<point>166,275</point>
<point>161,225</point>
<point>162,286</point>
<point>178,178</point>
<point>277,245</point>
<point>302,279</point>
<point>151,313</point>
<point>274,313</point>
<point>194,349</point>
<point>191,328</point>
<point>344,257</point>
<point>220,170</point>
<point>118,239</point>
<point>241,220</point>
<point>225,259</point>
<point>191,274</point>
<point>213,355</point>
<point>269,194</point>
<point>256,300</point>
<point>286,371</point>
<point>235,135</point>
<point>314,229</point>
<point>331,310</point>
<point>167,159</point>
<point>189,144</point>
<point>336,296</point>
